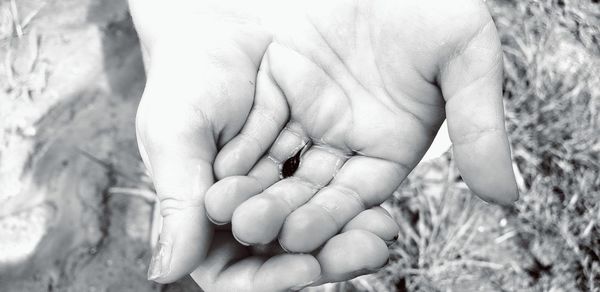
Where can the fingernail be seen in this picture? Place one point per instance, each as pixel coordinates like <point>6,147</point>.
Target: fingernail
<point>215,221</point>
<point>281,245</point>
<point>240,241</point>
<point>392,241</point>
<point>160,265</point>
<point>302,286</point>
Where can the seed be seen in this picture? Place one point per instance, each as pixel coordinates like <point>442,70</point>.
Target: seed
<point>291,165</point>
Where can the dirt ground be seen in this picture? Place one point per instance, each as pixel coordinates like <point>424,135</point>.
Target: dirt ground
<point>71,79</point>
<point>76,203</point>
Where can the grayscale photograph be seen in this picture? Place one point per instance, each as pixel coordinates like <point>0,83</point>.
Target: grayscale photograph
<point>299,145</point>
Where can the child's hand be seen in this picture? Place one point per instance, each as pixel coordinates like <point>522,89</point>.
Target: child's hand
<point>367,84</point>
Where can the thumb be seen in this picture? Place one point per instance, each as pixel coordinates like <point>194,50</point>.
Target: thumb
<point>471,83</point>
<point>178,145</point>
<point>199,89</point>
<point>193,97</point>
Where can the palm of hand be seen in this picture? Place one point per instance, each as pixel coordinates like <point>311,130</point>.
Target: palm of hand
<point>332,78</point>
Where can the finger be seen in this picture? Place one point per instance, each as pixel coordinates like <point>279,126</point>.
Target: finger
<point>265,121</point>
<point>229,268</point>
<point>224,251</point>
<point>287,271</point>
<point>279,273</point>
<point>471,83</point>
<point>259,219</point>
<point>180,154</point>
<point>181,163</point>
<point>376,220</point>
<point>351,254</point>
<point>227,194</point>
<point>361,183</point>
<point>177,125</point>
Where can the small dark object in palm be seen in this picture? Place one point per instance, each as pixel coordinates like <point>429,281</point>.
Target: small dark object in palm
<point>291,165</point>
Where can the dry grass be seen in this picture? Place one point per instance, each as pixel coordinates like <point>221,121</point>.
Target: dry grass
<point>550,241</point>
<point>553,99</point>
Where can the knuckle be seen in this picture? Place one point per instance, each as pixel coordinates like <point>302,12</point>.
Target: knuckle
<point>269,116</point>
<point>252,139</point>
<point>359,236</point>
<point>473,135</point>
<point>171,205</point>
<point>351,195</point>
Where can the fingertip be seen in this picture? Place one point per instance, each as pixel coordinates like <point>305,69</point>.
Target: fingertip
<point>257,220</point>
<point>307,228</point>
<point>287,272</point>
<point>351,252</point>
<point>506,197</point>
<point>186,233</point>
<point>503,198</point>
<point>226,195</point>
<point>486,167</point>
<point>377,221</point>
<point>233,160</point>
<point>181,246</point>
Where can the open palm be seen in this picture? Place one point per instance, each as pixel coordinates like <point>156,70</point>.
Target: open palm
<point>367,85</point>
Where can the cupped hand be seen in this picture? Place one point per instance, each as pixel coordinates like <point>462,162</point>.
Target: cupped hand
<point>357,90</point>
<point>201,61</point>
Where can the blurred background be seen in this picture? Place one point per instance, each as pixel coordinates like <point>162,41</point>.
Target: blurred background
<point>76,205</point>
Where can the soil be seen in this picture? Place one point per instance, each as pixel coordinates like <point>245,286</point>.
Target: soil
<point>69,89</point>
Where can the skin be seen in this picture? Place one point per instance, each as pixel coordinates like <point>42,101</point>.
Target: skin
<point>181,122</point>
<point>369,82</point>
<point>370,92</point>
